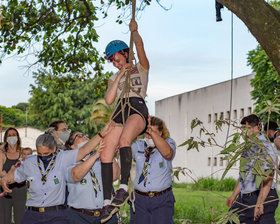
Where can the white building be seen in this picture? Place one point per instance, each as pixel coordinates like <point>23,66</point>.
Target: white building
<point>207,104</point>
<point>28,136</point>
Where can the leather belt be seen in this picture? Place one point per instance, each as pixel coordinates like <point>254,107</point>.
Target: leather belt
<point>250,194</point>
<point>95,212</point>
<point>46,209</point>
<point>152,194</point>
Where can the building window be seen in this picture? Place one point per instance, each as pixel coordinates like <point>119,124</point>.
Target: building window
<point>235,114</point>
<point>241,113</point>
<point>215,117</point>
<point>209,161</point>
<point>222,116</point>
<point>221,161</point>
<point>227,162</point>
<point>249,110</point>
<point>209,118</point>
<point>228,115</point>
<point>215,161</point>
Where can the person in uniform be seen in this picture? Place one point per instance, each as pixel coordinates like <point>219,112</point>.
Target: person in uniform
<point>263,199</point>
<point>272,131</point>
<point>131,123</point>
<point>154,199</point>
<point>84,182</point>
<point>46,174</point>
<point>60,131</point>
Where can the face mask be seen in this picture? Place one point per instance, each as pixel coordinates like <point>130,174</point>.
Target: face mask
<point>46,159</point>
<point>271,139</point>
<point>64,136</point>
<point>12,140</point>
<point>149,142</point>
<point>81,144</point>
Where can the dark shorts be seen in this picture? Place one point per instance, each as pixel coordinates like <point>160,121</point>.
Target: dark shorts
<point>139,106</point>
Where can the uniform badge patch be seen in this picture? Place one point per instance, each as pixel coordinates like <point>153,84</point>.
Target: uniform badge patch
<point>83,181</point>
<point>56,180</point>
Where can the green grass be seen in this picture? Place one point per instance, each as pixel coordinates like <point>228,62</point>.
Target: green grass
<point>214,184</point>
<point>201,206</point>
<point>198,206</point>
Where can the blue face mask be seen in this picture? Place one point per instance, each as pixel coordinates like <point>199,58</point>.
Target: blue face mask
<point>46,160</point>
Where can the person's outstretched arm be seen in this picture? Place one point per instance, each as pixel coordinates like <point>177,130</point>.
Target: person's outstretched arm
<point>92,143</point>
<point>133,27</point>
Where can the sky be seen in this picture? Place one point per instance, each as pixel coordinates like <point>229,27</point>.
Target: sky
<point>186,47</point>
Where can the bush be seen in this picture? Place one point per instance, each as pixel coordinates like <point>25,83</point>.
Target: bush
<point>181,185</point>
<point>214,184</point>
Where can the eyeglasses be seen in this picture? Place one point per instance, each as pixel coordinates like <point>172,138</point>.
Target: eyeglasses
<point>81,135</point>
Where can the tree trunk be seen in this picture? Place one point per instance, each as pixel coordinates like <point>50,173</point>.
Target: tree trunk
<point>263,21</point>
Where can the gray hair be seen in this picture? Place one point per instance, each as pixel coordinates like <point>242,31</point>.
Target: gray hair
<point>46,140</point>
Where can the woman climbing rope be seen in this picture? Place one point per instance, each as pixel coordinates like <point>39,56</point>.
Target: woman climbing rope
<point>131,114</point>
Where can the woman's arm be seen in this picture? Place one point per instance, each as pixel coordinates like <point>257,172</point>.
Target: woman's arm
<point>113,85</point>
<point>5,181</point>
<point>163,147</point>
<point>2,161</point>
<point>92,143</point>
<point>78,172</point>
<point>139,45</point>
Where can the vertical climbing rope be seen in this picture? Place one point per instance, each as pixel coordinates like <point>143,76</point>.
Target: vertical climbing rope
<point>124,96</point>
<point>231,79</point>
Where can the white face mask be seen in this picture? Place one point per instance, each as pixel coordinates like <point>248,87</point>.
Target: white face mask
<point>64,136</point>
<point>149,142</point>
<point>12,140</point>
<point>82,144</point>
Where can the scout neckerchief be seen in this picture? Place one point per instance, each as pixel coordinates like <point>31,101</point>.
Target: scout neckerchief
<point>148,152</point>
<point>44,175</point>
<point>94,180</point>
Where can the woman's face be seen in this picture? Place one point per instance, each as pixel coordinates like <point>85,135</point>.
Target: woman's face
<point>11,133</point>
<point>118,60</point>
<point>78,138</point>
<point>62,127</point>
<point>44,150</point>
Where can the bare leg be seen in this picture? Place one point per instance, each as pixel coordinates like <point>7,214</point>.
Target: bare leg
<point>111,142</point>
<point>133,127</point>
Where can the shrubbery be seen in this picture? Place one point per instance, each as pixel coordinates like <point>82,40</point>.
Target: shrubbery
<point>214,184</point>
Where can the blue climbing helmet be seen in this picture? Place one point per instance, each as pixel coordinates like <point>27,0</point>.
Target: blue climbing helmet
<point>114,47</point>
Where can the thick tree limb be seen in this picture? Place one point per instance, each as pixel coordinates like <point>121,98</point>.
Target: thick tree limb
<point>263,21</point>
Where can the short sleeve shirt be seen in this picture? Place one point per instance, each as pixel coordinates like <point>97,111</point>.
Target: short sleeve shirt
<point>138,81</point>
<point>159,169</point>
<point>248,184</point>
<point>53,191</point>
<point>82,194</point>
